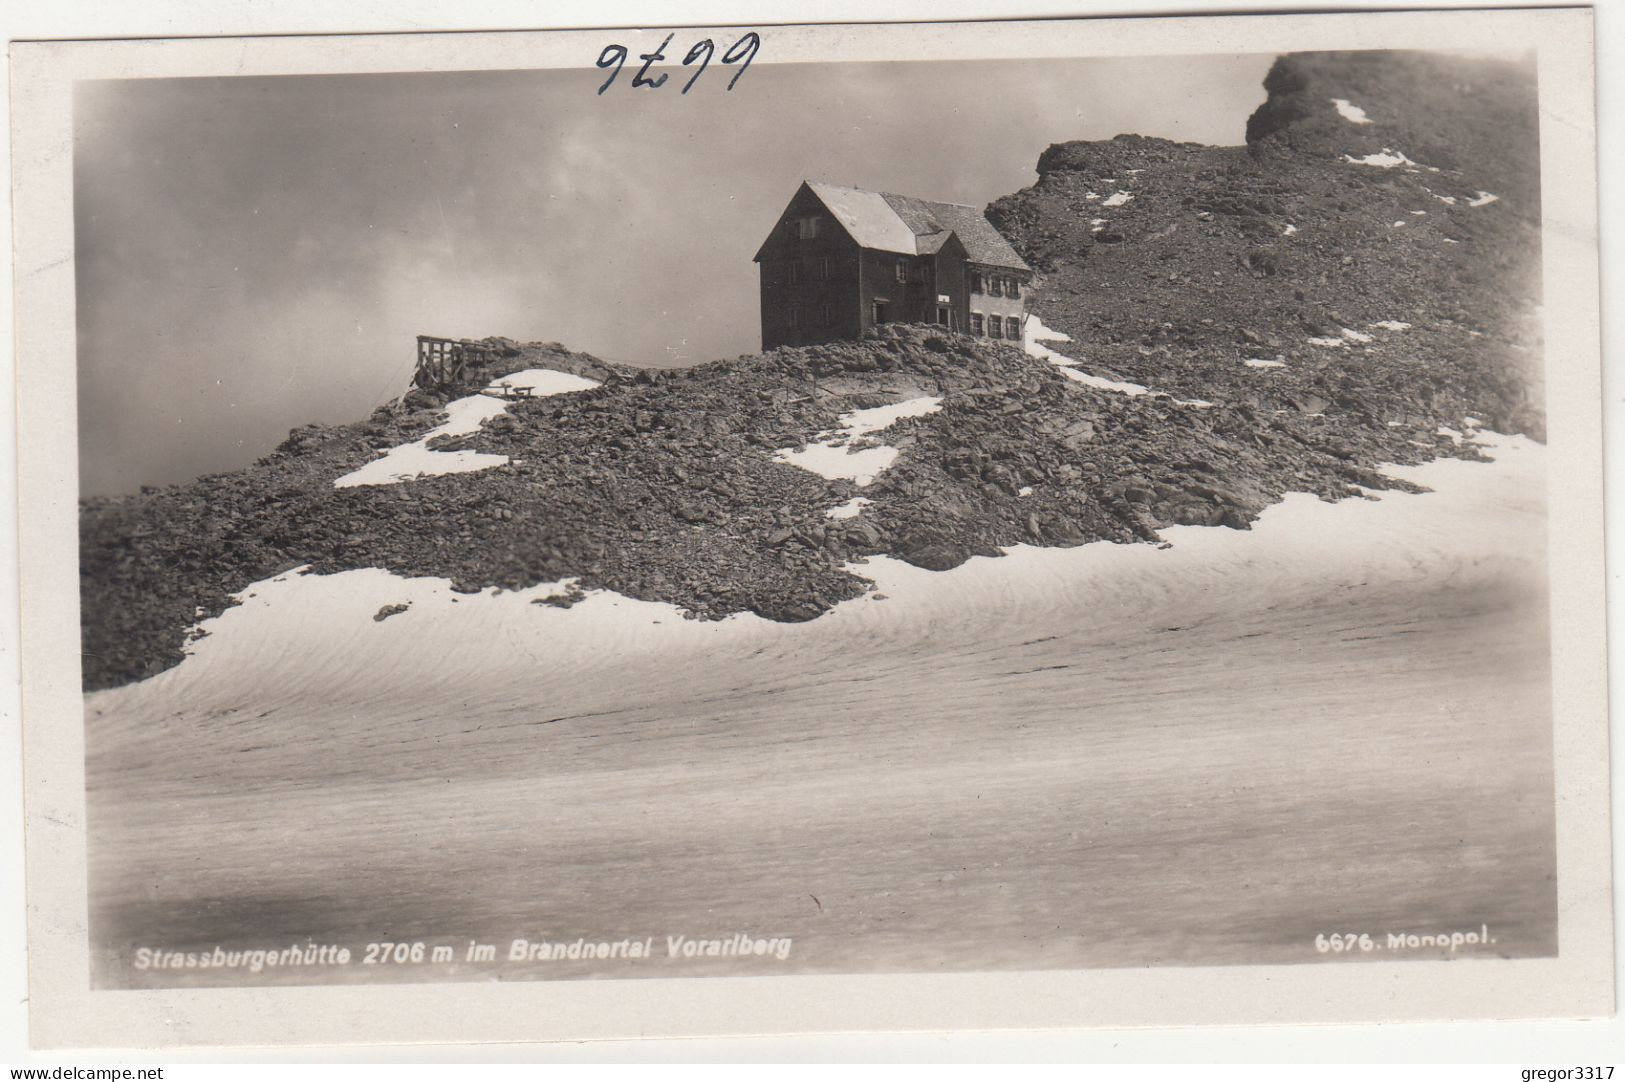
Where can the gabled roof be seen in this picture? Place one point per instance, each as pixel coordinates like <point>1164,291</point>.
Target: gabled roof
<point>867,217</point>
<point>903,224</point>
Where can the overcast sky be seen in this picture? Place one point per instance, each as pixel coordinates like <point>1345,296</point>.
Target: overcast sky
<point>256,253</point>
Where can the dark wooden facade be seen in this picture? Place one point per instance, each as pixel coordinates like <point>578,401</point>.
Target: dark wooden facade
<point>812,287</point>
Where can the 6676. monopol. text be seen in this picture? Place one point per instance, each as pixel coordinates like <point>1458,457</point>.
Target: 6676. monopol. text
<point>1367,942</point>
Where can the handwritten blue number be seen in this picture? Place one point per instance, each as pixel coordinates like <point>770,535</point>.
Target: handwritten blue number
<point>744,48</point>
<point>618,52</point>
<point>708,49</point>
<point>648,59</point>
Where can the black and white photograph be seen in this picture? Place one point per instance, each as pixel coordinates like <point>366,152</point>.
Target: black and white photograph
<point>734,503</point>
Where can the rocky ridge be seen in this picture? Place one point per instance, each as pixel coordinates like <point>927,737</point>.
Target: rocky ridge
<point>1293,251</point>
<point>1169,265</point>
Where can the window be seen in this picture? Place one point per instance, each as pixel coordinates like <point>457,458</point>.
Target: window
<point>994,327</point>
<point>902,270</point>
<point>1012,328</point>
<point>976,323</point>
<point>995,287</point>
<point>1013,287</point>
<point>826,314</point>
<point>975,282</point>
<point>795,317</point>
<point>807,228</point>
<point>823,266</point>
<point>792,273</point>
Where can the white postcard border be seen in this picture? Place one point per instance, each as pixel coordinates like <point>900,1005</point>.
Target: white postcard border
<point>66,1013</point>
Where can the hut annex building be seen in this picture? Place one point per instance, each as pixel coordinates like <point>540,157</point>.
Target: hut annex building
<point>842,260</point>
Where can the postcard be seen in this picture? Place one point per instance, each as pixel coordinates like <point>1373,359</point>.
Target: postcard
<point>790,528</point>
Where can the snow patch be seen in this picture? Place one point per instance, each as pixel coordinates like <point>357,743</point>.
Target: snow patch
<point>310,642</point>
<point>464,416</point>
<point>1289,230</point>
<point>831,454</point>
<point>1329,343</point>
<point>1116,199</point>
<point>1385,160</point>
<point>851,508</point>
<point>543,382</point>
<point>1035,333</point>
<point>1392,325</point>
<point>1484,199</point>
<point>1356,336</point>
<point>1033,337</point>
<point>1100,383</point>
<point>1350,112</point>
<point>1024,490</point>
<point>1260,363</point>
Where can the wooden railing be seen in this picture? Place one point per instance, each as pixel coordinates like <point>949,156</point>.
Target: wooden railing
<point>447,360</point>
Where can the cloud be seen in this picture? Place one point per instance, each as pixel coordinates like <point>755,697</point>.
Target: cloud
<point>257,253</point>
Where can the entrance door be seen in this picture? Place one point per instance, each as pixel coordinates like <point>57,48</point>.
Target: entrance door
<point>942,314</point>
<point>880,311</point>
